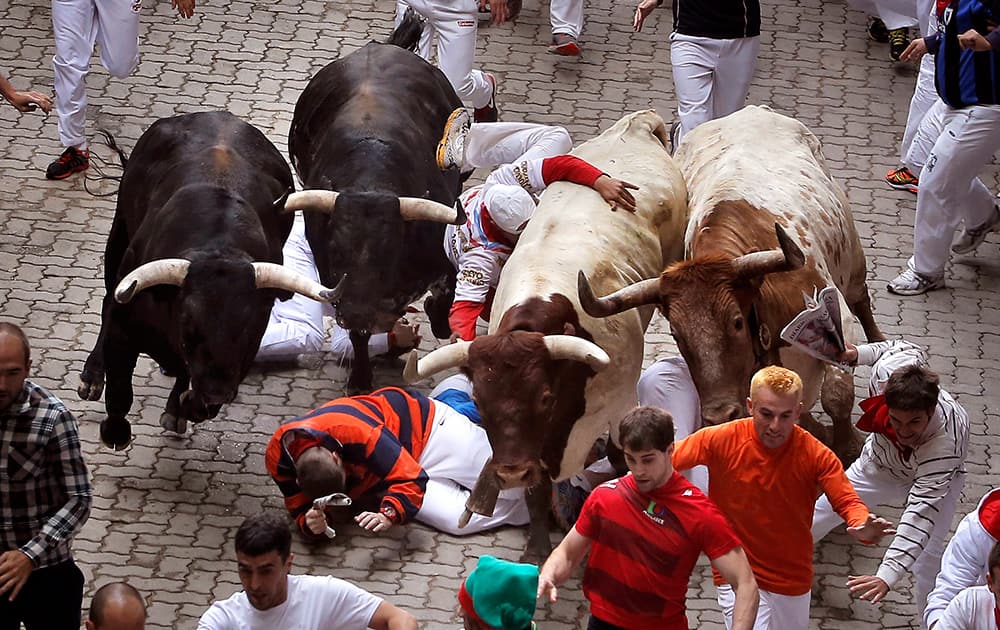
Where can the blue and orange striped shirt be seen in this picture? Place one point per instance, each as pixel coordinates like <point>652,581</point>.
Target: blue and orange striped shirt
<point>379,438</point>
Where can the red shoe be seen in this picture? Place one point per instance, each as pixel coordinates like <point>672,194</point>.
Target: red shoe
<point>564,44</point>
<point>71,161</point>
<point>902,179</point>
<point>489,113</point>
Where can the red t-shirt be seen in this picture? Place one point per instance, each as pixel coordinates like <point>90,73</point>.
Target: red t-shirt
<point>644,547</point>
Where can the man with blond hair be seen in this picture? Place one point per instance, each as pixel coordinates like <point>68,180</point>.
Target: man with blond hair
<point>763,475</point>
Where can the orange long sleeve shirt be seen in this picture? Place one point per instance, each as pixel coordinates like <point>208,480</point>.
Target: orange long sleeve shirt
<point>769,496</point>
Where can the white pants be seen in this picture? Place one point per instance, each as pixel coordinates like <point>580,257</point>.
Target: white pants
<point>667,384</point>
<point>895,13</point>
<point>924,97</point>
<point>566,17</point>
<point>453,457</point>
<point>875,488</point>
<point>76,26</point>
<point>492,144</point>
<point>711,76</point>
<point>296,325</point>
<point>927,133</point>
<point>455,23</point>
<point>950,189</point>
<point>775,612</point>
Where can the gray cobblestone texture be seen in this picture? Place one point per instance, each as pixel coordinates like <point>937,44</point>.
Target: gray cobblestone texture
<point>165,510</point>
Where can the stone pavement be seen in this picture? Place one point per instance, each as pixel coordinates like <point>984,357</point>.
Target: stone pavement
<point>165,510</point>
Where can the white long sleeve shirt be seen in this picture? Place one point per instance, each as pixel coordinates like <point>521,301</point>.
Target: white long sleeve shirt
<point>972,609</point>
<point>931,468</point>
<point>965,559</point>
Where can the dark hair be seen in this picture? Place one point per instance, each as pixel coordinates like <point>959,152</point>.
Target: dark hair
<point>15,330</point>
<point>912,388</point>
<point>318,474</point>
<point>115,591</point>
<point>263,533</point>
<point>994,562</point>
<point>646,428</point>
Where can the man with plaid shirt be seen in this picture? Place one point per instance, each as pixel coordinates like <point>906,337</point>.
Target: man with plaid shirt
<point>45,498</point>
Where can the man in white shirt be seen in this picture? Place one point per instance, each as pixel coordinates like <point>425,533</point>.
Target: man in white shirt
<point>966,558</point>
<point>976,607</point>
<point>274,599</point>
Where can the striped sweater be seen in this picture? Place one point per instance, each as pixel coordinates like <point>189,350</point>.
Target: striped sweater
<point>933,466</point>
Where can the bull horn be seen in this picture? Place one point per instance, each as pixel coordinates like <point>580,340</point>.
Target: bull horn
<point>577,349</point>
<point>634,295</point>
<point>315,200</point>
<point>756,264</point>
<point>420,209</point>
<point>163,271</point>
<point>272,276</point>
<point>453,355</point>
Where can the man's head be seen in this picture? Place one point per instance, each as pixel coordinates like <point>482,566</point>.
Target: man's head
<point>117,606</point>
<point>911,394</point>
<point>319,472</point>
<point>511,207</point>
<point>15,361</point>
<point>499,595</point>
<point>775,403</point>
<point>647,437</point>
<point>993,574</point>
<point>264,558</point>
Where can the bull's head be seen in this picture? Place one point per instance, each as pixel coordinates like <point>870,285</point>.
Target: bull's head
<point>366,241</point>
<point>221,312</point>
<point>515,378</point>
<point>709,303</point>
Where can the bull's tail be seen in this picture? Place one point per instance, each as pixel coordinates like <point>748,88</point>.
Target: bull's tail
<point>407,34</point>
<point>110,141</point>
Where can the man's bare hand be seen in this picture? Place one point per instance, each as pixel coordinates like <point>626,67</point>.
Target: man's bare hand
<point>972,40</point>
<point>185,8</point>
<point>870,587</point>
<point>316,521</point>
<point>29,101</point>
<point>15,569</point>
<point>407,335</point>
<point>641,13</point>
<point>916,50</point>
<point>616,192</point>
<point>375,522</point>
<point>849,355</point>
<point>547,588</point>
<point>872,531</point>
<point>499,11</point>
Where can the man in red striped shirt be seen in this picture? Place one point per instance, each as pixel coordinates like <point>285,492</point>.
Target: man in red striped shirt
<point>398,454</point>
<point>644,533</point>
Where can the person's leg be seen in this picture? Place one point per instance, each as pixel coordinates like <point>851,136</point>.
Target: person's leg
<point>926,135</point>
<point>118,35</point>
<point>566,17</point>
<point>783,611</point>
<point>924,97</point>
<point>727,602</point>
<point>427,35</point>
<point>456,26</point>
<point>693,63</point>
<point>950,189</point>
<point>492,144</point>
<point>53,598</point>
<point>667,384</point>
<point>444,504</point>
<point>928,563</point>
<point>733,75</point>
<point>74,27</point>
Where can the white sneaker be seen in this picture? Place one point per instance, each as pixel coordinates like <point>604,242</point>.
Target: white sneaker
<point>451,148</point>
<point>912,283</point>
<point>971,238</point>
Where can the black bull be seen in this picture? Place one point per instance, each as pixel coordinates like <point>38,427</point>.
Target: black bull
<point>367,127</point>
<point>192,266</point>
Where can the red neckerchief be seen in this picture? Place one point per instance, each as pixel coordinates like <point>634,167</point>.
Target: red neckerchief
<point>875,419</point>
<point>941,6</point>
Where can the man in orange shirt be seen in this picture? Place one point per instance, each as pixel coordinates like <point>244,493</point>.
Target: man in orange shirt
<point>764,474</point>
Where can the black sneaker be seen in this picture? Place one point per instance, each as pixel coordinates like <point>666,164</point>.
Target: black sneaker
<point>71,161</point>
<point>899,39</point>
<point>877,31</point>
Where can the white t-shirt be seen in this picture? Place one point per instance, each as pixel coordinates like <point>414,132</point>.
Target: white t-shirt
<point>313,603</point>
<point>972,609</point>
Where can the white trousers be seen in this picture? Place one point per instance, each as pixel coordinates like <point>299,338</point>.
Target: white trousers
<point>566,17</point>
<point>923,99</point>
<point>877,488</point>
<point>453,457</point>
<point>711,76</point>
<point>667,384</point>
<point>950,189</point>
<point>775,612</point>
<point>492,144</point>
<point>296,325</point>
<point>926,135</point>
<point>76,26</point>
<point>895,13</point>
<point>455,24</point>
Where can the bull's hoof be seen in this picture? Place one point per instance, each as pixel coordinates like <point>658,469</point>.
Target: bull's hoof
<point>537,551</point>
<point>357,386</point>
<point>90,389</point>
<point>437,312</point>
<point>170,422</point>
<point>116,433</point>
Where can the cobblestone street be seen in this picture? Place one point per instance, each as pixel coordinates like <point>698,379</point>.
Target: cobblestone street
<point>165,510</point>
